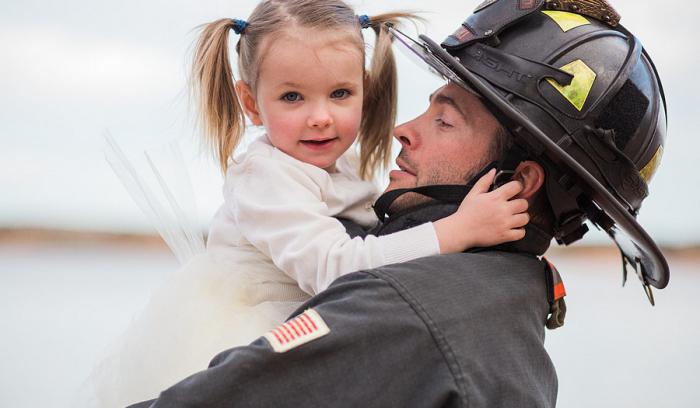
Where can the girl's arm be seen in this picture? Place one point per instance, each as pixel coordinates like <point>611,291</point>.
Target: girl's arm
<point>280,210</point>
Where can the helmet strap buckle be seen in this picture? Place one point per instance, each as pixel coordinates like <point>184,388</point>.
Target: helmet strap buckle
<point>569,219</point>
<point>572,229</point>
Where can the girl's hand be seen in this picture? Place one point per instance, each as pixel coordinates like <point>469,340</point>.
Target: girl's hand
<point>484,218</point>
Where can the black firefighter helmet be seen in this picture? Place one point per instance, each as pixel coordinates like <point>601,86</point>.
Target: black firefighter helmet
<point>581,96</point>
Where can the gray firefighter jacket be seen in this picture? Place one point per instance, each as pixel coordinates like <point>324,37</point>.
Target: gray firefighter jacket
<point>460,330</point>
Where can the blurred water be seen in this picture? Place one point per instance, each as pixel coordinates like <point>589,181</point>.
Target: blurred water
<point>616,350</point>
<point>62,303</point>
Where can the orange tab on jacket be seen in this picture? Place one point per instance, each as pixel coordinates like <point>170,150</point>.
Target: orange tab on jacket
<point>302,329</point>
<point>555,296</point>
<point>556,284</point>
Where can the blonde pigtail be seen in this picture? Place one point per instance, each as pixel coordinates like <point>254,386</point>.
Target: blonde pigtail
<point>220,112</point>
<point>380,100</point>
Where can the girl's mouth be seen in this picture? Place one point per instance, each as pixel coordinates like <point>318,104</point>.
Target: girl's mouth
<point>319,144</point>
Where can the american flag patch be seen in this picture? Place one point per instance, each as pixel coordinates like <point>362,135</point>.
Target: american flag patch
<point>300,330</point>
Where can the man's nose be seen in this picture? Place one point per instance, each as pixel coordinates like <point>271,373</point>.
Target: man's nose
<point>320,117</point>
<point>406,134</point>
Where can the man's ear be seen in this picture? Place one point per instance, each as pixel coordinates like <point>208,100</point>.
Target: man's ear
<point>247,99</point>
<point>531,175</point>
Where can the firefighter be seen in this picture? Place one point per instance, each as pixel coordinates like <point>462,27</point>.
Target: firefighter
<point>555,94</point>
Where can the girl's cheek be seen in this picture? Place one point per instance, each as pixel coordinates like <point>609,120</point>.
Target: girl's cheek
<point>274,131</point>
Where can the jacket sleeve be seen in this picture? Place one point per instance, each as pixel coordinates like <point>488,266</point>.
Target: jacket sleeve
<point>378,353</point>
<point>281,210</point>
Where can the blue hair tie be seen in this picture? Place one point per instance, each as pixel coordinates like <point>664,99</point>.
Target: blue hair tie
<point>364,20</point>
<point>239,26</point>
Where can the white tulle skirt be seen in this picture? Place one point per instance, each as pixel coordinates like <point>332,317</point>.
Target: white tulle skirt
<point>207,307</point>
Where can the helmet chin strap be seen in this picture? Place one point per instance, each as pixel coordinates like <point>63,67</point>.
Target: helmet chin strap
<point>444,193</point>
<point>455,193</point>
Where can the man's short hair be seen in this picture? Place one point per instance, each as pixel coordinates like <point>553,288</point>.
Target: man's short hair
<point>541,214</point>
<point>501,143</point>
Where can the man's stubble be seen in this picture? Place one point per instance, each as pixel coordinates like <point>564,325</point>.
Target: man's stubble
<point>444,173</point>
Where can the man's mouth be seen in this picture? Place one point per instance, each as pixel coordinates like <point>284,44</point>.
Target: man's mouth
<point>404,167</point>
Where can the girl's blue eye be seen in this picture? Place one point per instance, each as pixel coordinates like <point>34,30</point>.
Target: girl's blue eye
<point>340,94</point>
<point>291,97</point>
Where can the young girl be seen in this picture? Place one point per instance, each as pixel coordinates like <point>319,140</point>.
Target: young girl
<point>303,78</point>
<point>276,240</point>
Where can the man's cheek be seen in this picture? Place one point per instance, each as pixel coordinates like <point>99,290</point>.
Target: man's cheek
<point>433,176</point>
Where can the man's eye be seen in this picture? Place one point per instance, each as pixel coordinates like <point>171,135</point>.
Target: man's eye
<point>340,94</point>
<point>291,97</point>
<point>442,123</point>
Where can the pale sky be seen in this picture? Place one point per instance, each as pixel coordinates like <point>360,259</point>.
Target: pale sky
<point>71,70</point>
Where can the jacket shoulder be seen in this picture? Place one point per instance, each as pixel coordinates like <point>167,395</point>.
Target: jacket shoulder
<point>486,312</point>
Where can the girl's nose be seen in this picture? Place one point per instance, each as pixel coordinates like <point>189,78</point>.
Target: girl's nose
<point>320,117</point>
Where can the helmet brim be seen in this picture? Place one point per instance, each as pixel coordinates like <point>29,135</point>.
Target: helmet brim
<point>637,247</point>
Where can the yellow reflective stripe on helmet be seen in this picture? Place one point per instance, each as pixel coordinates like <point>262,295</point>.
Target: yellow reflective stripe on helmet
<point>566,20</point>
<point>648,171</point>
<point>576,92</point>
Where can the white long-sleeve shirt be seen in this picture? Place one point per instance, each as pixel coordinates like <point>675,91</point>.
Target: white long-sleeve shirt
<point>284,208</point>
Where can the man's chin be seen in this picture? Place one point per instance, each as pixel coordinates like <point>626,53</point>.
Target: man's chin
<point>400,179</point>
<point>406,200</point>
<point>395,186</point>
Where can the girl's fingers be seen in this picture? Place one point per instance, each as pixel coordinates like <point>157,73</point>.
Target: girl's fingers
<point>518,206</point>
<point>509,190</point>
<point>483,184</point>
<point>516,234</point>
<point>519,220</point>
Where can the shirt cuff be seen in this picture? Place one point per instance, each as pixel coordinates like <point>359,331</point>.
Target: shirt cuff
<point>413,243</point>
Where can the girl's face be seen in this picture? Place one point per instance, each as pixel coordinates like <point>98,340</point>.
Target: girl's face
<point>309,94</point>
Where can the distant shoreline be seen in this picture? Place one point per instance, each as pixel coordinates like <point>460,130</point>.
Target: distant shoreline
<point>48,236</point>
<point>39,235</point>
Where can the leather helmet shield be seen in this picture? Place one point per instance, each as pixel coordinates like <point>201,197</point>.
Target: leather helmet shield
<point>634,242</point>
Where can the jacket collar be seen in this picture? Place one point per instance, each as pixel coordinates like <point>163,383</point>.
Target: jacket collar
<point>536,241</point>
